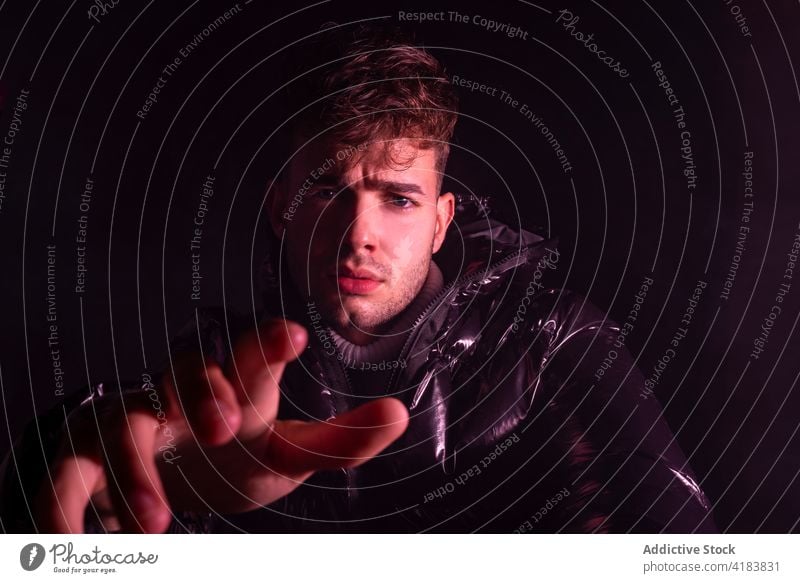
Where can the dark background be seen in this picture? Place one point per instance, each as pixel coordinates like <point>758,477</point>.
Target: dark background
<point>622,213</point>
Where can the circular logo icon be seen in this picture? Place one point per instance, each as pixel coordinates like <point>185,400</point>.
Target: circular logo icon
<point>31,556</point>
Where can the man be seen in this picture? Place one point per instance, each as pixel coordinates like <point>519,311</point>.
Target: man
<point>383,389</point>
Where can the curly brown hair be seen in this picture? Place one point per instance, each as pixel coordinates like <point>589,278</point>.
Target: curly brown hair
<point>375,85</point>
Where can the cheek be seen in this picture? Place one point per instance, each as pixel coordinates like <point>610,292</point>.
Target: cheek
<point>297,243</point>
<point>402,249</point>
<point>306,234</point>
<point>407,249</point>
<point>302,252</point>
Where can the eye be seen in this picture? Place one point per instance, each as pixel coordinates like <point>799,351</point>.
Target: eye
<point>325,193</point>
<point>401,201</point>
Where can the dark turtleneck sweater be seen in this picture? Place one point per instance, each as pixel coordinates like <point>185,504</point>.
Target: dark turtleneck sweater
<point>369,366</point>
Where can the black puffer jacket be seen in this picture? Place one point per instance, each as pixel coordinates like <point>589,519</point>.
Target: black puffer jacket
<point>510,429</point>
<point>513,428</point>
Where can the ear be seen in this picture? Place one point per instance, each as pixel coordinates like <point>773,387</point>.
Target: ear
<point>445,210</point>
<point>275,205</point>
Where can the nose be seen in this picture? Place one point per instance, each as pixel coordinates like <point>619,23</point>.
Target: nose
<point>362,222</point>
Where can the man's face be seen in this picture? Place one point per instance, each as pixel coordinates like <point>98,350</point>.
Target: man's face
<point>360,230</point>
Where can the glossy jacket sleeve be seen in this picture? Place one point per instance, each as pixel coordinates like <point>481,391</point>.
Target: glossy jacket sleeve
<point>625,469</point>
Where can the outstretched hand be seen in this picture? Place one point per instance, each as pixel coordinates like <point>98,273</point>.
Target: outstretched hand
<point>227,451</point>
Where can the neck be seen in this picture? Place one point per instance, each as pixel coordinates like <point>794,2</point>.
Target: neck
<point>357,346</point>
<point>359,337</point>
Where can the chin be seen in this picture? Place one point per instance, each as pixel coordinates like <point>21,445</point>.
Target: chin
<point>356,316</point>
<point>353,315</point>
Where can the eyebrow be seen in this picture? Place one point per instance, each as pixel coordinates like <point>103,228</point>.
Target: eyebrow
<point>397,187</point>
<point>376,184</point>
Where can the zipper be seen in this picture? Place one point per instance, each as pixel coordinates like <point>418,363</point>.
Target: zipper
<point>339,377</point>
<point>462,281</point>
<point>341,371</point>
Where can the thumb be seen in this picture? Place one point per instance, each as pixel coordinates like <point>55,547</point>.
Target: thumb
<point>346,441</point>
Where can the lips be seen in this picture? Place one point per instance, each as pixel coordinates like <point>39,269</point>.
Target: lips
<point>356,281</point>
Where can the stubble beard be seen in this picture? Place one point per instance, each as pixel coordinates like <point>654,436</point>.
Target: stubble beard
<point>367,315</point>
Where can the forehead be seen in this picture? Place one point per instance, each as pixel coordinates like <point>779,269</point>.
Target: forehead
<point>383,158</point>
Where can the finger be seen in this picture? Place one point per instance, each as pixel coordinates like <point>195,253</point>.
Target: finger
<point>133,480</point>
<point>199,393</point>
<point>60,506</point>
<point>346,441</point>
<point>255,369</point>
